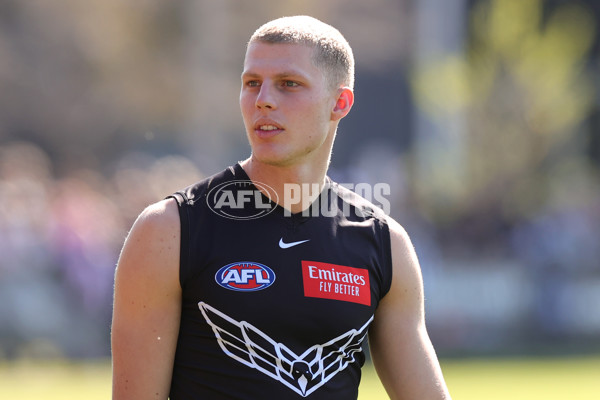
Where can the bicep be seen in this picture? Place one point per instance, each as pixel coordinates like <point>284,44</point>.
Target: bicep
<point>400,346</point>
<point>147,306</point>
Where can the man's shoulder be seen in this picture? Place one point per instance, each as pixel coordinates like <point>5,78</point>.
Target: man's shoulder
<point>158,217</point>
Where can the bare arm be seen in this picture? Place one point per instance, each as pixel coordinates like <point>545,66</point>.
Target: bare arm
<point>147,306</point>
<point>400,346</point>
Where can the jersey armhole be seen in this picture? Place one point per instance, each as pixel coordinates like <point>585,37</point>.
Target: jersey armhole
<point>386,256</point>
<point>184,218</point>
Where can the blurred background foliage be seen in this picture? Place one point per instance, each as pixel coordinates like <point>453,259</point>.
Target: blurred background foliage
<point>482,115</point>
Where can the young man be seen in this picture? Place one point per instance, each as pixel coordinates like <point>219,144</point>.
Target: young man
<point>262,281</point>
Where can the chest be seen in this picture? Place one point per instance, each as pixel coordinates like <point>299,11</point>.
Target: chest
<point>298,282</point>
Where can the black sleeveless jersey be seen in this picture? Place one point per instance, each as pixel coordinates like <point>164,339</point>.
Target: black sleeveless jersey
<point>275,306</point>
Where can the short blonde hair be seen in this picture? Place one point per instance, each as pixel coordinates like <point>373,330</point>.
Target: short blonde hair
<point>332,53</point>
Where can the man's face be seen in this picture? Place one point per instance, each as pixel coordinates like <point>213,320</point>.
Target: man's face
<point>286,105</point>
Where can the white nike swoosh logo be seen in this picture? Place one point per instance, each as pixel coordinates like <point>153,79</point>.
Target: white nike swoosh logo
<point>284,245</point>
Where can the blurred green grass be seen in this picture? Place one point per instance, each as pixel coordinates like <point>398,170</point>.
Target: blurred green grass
<point>572,378</point>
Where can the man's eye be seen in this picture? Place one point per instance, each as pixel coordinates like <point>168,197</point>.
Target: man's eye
<point>253,83</point>
<point>290,84</point>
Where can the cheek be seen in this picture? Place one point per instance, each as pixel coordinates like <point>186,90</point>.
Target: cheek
<point>246,106</point>
<point>243,101</point>
<point>316,113</point>
<point>247,97</point>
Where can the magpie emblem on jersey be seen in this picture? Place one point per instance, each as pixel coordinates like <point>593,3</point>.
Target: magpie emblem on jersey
<point>245,276</point>
<point>303,373</point>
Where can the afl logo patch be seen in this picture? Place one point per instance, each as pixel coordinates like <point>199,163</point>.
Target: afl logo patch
<point>245,276</point>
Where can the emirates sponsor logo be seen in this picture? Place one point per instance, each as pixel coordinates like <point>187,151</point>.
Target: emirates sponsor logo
<point>336,282</point>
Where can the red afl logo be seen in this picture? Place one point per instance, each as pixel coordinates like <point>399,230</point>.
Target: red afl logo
<point>245,276</point>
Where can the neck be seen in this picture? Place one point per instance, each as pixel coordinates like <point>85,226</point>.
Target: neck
<point>296,185</point>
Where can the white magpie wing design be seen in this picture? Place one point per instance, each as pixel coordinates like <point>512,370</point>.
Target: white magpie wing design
<point>305,373</point>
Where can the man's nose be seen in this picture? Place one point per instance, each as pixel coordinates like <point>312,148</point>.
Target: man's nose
<point>266,97</point>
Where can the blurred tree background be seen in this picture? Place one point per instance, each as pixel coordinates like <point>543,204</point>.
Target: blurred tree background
<point>482,115</point>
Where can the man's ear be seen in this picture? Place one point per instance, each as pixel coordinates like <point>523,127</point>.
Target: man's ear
<point>343,104</point>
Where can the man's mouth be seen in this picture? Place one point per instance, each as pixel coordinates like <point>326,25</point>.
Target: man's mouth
<point>268,127</point>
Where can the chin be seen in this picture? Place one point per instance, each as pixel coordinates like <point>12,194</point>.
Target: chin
<point>270,155</point>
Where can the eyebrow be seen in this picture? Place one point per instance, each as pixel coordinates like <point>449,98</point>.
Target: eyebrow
<point>280,75</point>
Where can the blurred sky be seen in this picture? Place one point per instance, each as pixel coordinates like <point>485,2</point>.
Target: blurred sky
<point>483,116</point>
